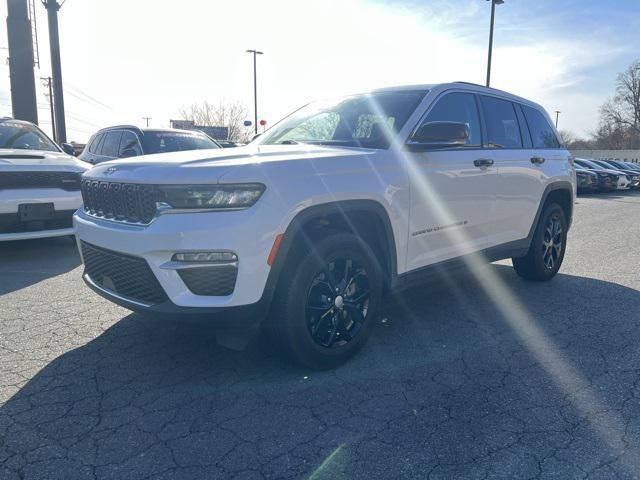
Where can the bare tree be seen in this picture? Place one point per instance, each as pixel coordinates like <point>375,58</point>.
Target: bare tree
<point>572,141</point>
<point>624,108</point>
<point>222,114</point>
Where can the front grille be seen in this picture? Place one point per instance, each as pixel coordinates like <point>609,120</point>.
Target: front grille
<point>126,275</point>
<point>124,202</point>
<point>11,223</point>
<point>69,181</point>
<point>215,281</point>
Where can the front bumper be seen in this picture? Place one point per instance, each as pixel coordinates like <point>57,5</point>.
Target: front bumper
<point>236,317</point>
<point>65,203</point>
<point>168,234</point>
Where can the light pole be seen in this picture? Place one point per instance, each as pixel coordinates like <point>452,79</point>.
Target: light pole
<point>493,14</point>
<point>558,112</point>
<point>255,88</point>
<point>56,68</point>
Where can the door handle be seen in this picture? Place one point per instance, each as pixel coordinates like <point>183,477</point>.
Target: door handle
<point>537,160</point>
<point>483,162</point>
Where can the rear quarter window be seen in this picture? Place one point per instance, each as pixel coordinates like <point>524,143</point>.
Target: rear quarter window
<point>542,134</point>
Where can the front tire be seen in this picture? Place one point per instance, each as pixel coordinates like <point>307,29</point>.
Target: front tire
<point>545,255</point>
<point>326,304</point>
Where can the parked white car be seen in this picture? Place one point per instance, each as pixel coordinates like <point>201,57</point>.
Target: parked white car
<point>39,183</point>
<point>333,207</point>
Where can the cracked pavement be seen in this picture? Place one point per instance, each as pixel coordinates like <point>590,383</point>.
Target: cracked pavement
<point>461,379</point>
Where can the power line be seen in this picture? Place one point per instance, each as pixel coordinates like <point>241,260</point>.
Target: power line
<point>88,97</point>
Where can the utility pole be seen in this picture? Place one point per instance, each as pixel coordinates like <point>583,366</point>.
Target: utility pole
<point>147,119</point>
<point>52,7</point>
<point>255,89</point>
<point>49,84</point>
<point>558,112</point>
<point>23,81</point>
<point>493,14</point>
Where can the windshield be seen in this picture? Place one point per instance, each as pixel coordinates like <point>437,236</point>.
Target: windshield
<point>162,142</point>
<point>367,120</point>
<point>23,136</point>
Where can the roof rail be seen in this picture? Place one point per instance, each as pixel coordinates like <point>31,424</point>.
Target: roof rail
<point>132,127</point>
<point>471,83</point>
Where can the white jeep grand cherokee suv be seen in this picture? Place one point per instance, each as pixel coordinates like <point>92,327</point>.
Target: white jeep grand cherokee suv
<point>338,204</point>
<point>39,183</point>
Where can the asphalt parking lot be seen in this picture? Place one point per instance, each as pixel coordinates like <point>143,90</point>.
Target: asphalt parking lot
<point>483,376</point>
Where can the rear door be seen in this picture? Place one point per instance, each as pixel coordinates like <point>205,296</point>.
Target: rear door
<point>451,196</point>
<point>520,182</point>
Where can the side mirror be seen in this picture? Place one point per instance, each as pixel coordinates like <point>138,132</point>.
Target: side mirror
<point>129,152</point>
<point>68,149</point>
<point>441,134</point>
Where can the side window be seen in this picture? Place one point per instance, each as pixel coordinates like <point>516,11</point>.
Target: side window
<point>524,127</point>
<point>129,141</point>
<point>93,146</point>
<point>461,108</point>
<point>502,123</point>
<point>542,134</point>
<point>111,143</point>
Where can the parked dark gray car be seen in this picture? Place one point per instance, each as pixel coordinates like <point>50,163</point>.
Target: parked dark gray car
<point>125,141</point>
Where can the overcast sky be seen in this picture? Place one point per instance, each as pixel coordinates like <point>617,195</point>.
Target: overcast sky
<point>125,59</point>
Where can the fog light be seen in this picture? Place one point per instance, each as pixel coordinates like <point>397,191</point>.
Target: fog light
<point>205,257</point>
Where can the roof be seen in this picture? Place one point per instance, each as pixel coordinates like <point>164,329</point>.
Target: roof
<point>147,129</point>
<point>457,84</point>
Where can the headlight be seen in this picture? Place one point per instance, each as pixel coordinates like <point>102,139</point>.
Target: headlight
<point>228,196</point>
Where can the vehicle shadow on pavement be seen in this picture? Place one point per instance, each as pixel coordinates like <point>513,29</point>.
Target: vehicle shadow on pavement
<point>445,386</point>
<point>27,262</point>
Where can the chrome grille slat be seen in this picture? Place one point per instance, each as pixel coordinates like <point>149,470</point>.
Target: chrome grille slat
<point>117,201</point>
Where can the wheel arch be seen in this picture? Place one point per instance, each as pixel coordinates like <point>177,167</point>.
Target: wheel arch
<point>560,192</point>
<point>366,218</point>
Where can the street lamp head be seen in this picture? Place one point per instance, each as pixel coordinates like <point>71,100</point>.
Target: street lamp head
<point>497,2</point>
<point>257,52</point>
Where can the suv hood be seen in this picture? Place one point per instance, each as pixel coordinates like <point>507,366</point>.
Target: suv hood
<point>208,166</point>
<point>21,160</point>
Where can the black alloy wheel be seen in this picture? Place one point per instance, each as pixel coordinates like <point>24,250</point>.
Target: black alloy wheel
<point>337,303</point>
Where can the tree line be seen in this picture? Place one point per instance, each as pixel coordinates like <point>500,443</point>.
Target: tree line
<point>619,125</point>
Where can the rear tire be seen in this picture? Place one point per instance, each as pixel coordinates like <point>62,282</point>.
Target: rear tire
<point>327,302</point>
<point>546,252</point>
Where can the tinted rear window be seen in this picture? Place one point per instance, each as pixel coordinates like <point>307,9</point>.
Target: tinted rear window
<point>542,134</point>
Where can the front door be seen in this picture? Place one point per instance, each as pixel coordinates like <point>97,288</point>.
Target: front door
<point>452,190</point>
